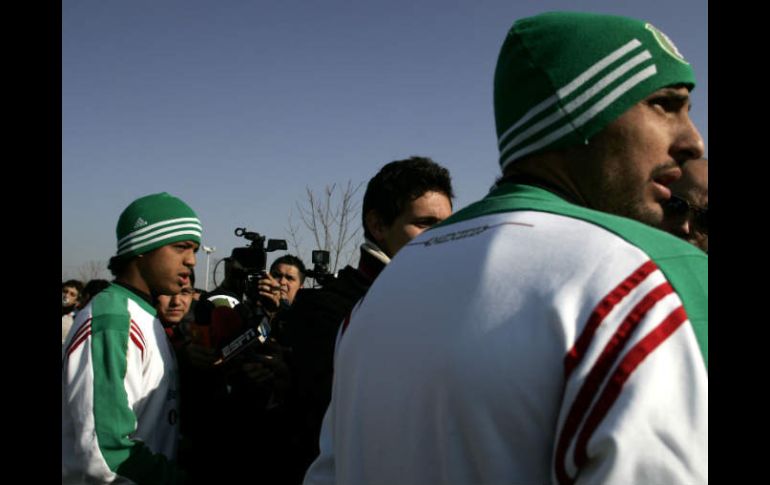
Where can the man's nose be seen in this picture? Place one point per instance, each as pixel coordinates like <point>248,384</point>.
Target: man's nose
<point>689,143</point>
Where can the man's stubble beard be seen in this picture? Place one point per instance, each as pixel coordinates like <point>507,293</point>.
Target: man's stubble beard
<point>621,196</point>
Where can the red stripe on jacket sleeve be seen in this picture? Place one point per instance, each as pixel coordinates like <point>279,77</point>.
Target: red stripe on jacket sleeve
<point>576,353</point>
<point>85,326</point>
<point>624,370</point>
<point>137,342</point>
<point>138,331</point>
<point>86,332</point>
<point>597,375</point>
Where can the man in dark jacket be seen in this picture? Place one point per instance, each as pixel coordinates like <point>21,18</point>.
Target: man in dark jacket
<point>405,198</point>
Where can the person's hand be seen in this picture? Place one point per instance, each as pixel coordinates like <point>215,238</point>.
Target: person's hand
<point>270,371</point>
<point>258,372</point>
<point>201,357</point>
<point>269,292</point>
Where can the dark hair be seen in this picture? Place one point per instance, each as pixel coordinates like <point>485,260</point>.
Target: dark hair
<point>118,265</point>
<point>91,289</point>
<point>291,260</point>
<point>95,286</point>
<point>74,284</point>
<point>400,182</point>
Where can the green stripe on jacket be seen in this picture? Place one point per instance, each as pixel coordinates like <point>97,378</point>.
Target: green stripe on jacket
<point>114,420</point>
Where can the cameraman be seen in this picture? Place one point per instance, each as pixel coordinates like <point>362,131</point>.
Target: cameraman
<point>277,290</point>
<point>231,406</point>
<point>289,271</point>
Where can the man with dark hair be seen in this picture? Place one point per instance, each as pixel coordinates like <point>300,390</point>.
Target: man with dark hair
<point>92,288</point>
<point>393,212</point>
<point>289,271</point>
<point>119,375</point>
<point>686,212</point>
<point>71,295</point>
<point>173,308</point>
<point>541,335</point>
<point>402,200</point>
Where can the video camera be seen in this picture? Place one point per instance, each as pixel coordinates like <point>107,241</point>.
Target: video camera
<point>230,319</point>
<point>320,272</point>
<point>251,260</point>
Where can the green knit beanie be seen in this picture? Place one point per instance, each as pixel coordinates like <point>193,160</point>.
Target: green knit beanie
<point>562,77</point>
<point>154,221</point>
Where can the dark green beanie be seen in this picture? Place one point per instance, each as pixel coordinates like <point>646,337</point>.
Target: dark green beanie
<point>562,77</point>
<point>154,221</point>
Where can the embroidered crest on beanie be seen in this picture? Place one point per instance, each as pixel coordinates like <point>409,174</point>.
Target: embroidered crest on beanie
<point>561,77</point>
<point>154,221</point>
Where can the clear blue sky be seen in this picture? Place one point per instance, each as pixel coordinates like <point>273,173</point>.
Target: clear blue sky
<point>236,106</point>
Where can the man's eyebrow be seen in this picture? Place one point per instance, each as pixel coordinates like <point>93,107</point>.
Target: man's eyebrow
<point>673,93</point>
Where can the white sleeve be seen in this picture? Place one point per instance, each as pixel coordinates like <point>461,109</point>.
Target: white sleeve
<point>635,403</point>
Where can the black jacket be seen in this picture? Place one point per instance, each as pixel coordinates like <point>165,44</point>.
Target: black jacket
<point>313,322</point>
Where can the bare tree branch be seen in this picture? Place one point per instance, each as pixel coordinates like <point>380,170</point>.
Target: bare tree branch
<point>332,219</point>
<point>92,270</point>
<point>293,230</point>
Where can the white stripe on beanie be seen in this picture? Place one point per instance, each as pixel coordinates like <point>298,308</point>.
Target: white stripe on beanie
<point>585,117</point>
<point>159,238</point>
<point>577,102</point>
<point>173,227</point>
<point>157,224</point>
<point>567,89</point>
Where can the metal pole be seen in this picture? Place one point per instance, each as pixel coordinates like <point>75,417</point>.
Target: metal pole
<point>208,258</point>
<point>208,250</point>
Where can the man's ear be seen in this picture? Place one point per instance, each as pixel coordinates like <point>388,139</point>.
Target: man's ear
<point>375,225</point>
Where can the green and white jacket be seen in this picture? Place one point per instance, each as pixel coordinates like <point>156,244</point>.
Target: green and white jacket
<point>119,394</point>
<point>525,340</point>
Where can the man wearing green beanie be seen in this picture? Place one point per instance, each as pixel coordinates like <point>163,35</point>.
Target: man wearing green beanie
<point>119,376</point>
<point>544,334</point>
